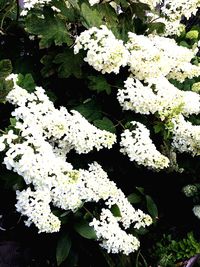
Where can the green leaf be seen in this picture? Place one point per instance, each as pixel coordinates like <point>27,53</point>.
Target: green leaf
<point>48,68</point>
<point>134,198</point>
<point>67,12</point>
<point>26,82</point>
<point>5,68</point>
<point>115,211</point>
<point>91,17</point>
<point>105,124</point>
<point>70,64</point>
<point>151,207</point>
<point>50,29</point>
<point>82,228</point>
<point>5,88</point>
<point>157,27</point>
<point>98,83</point>
<point>63,248</point>
<point>90,110</point>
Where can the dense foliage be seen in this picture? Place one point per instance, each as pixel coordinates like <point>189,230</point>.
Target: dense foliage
<point>100,131</point>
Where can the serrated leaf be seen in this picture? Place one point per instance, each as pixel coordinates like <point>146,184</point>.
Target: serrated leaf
<point>82,228</point>
<point>105,124</point>
<point>115,211</point>
<point>70,64</point>
<point>50,30</point>
<point>151,207</point>
<point>91,17</point>
<point>26,81</point>
<point>99,84</point>
<point>63,248</point>
<point>134,198</point>
<point>5,68</point>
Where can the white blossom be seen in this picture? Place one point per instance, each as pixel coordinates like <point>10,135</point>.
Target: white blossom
<point>105,53</point>
<point>111,236</point>
<point>140,148</point>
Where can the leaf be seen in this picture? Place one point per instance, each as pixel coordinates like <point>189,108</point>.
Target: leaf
<point>115,211</point>
<point>151,207</point>
<point>134,198</point>
<point>63,248</point>
<point>5,68</point>
<point>26,82</point>
<point>70,64</point>
<point>139,9</point>
<point>82,228</point>
<point>99,84</point>
<point>91,17</point>
<point>5,88</point>
<point>48,68</point>
<point>109,17</point>
<point>67,12</point>
<point>159,27</point>
<point>51,30</point>
<point>90,110</point>
<point>105,124</point>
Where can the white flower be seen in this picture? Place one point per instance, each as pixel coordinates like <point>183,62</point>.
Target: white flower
<point>112,237</point>
<point>196,211</point>
<point>140,148</point>
<point>104,52</point>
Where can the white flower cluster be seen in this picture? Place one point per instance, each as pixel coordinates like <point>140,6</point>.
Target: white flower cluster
<point>71,131</point>
<point>104,52</point>
<point>38,154</point>
<point>171,14</point>
<point>174,10</point>
<point>190,190</point>
<point>186,137</point>
<point>160,96</point>
<point>154,56</point>
<point>196,211</point>
<point>35,206</point>
<point>140,148</point>
<point>113,238</point>
<point>187,70</point>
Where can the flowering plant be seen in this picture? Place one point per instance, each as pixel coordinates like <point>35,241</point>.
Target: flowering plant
<point>110,95</point>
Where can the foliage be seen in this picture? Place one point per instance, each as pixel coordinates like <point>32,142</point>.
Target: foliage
<point>168,251</point>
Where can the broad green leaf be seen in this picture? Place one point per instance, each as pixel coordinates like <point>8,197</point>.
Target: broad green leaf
<point>90,110</point>
<point>50,29</point>
<point>115,211</point>
<point>105,124</point>
<point>5,68</point>
<point>26,82</point>
<point>91,17</point>
<point>134,198</point>
<point>98,83</point>
<point>63,248</point>
<point>109,17</point>
<point>159,27</point>
<point>70,64</point>
<point>151,207</point>
<point>67,12</point>
<point>139,9</point>
<point>82,228</point>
